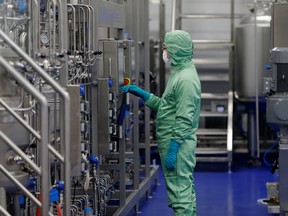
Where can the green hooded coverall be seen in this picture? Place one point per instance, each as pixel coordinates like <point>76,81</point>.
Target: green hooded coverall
<point>177,119</point>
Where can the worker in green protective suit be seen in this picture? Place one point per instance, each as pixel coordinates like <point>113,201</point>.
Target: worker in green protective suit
<point>177,121</point>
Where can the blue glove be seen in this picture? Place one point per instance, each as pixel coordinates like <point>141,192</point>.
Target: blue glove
<point>171,156</point>
<point>135,90</point>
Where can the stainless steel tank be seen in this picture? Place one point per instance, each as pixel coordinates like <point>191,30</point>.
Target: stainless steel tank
<point>252,47</point>
<point>10,93</point>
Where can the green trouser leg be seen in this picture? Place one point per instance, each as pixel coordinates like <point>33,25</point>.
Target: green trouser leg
<point>187,209</point>
<point>180,181</point>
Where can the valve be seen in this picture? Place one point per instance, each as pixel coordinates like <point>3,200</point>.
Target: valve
<point>87,211</point>
<point>127,81</point>
<point>32,183</point>
<point>93,160</point>
<point>98,52</point>
<point>41,55</point>
<point>60,185</point>
<point>82,90</point>
<point>18,159</point>
<point>110,82</point>
<point>60,54</point>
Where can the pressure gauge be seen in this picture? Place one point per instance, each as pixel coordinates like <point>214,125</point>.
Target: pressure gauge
<point>44,38</point>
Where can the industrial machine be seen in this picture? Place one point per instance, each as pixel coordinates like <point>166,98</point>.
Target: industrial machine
<point>277,116</point>
<point>69,137</point>
<point>252,46</point>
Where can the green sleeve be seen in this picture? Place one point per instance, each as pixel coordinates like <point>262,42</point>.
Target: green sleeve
<point>153,102</point>
<point>187,96</point>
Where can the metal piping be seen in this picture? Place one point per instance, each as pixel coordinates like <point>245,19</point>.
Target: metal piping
<point>60,21</point>
<point>66,114</point>
<point>5,15</point>
<point>84,33</point>
<point>256,82</point>
<point>15,18</point>
<point>18,109</point>
<point>79,25</point>
<point>44,132</point>
<point>29,29</point>
<point>147,86</point>
<point>3,200</point>
<point>35,25</point>
<point>74,28</point>
<point>93,29</point>
<point>173,15</point>
<point>9,142</point>
<point>136,36</point>
<point>40,71</point>
<point>50,30</point>
<point>230,127</point>
<point>54,28</point>
<point>208,16</point>
<point>27,193</point>
<point>89,31</point>
<point>4,212</point>
<point>55,153</point>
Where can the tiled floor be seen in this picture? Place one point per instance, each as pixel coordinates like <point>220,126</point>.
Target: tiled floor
<point>220,193</point>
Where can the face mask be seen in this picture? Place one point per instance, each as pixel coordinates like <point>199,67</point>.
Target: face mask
<point>165,57</point>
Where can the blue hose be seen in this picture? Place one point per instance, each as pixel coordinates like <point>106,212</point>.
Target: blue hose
<point>123,109</point>
<point>268,151</point>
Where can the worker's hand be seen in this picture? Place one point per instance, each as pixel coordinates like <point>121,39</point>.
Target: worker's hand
<point>137,91</point>
<point>171,156</point>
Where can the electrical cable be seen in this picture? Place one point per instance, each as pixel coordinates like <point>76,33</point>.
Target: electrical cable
<point>123,109</point>
<point>268,151</point>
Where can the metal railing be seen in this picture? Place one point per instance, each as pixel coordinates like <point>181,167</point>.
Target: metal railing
<point>64,156</point>
<point>43,143</point>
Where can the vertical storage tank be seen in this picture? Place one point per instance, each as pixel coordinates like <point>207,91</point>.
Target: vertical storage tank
<point>252,46</point>
<point>11,95</point>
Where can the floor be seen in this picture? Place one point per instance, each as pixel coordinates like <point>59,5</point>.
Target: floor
<point>220,193</point>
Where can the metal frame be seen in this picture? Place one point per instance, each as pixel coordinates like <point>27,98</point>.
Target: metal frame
<point>162,69</point>
<point>133,199</point>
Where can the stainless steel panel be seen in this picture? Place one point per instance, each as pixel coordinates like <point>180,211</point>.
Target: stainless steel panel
<point>129,59</point>
<point>103,116</point>
<point>251,56</point>
<point>110,15</point>
<point>7,53</point>
<point>75,141</point>
<point>279,25</point>
<point>283,175</point>
<point>8,86</point>
<point>128,4</point>
<point>113,59</point>
<point>9,125</point>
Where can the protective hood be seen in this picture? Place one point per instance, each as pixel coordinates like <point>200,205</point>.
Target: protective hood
<point>180,47</point>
